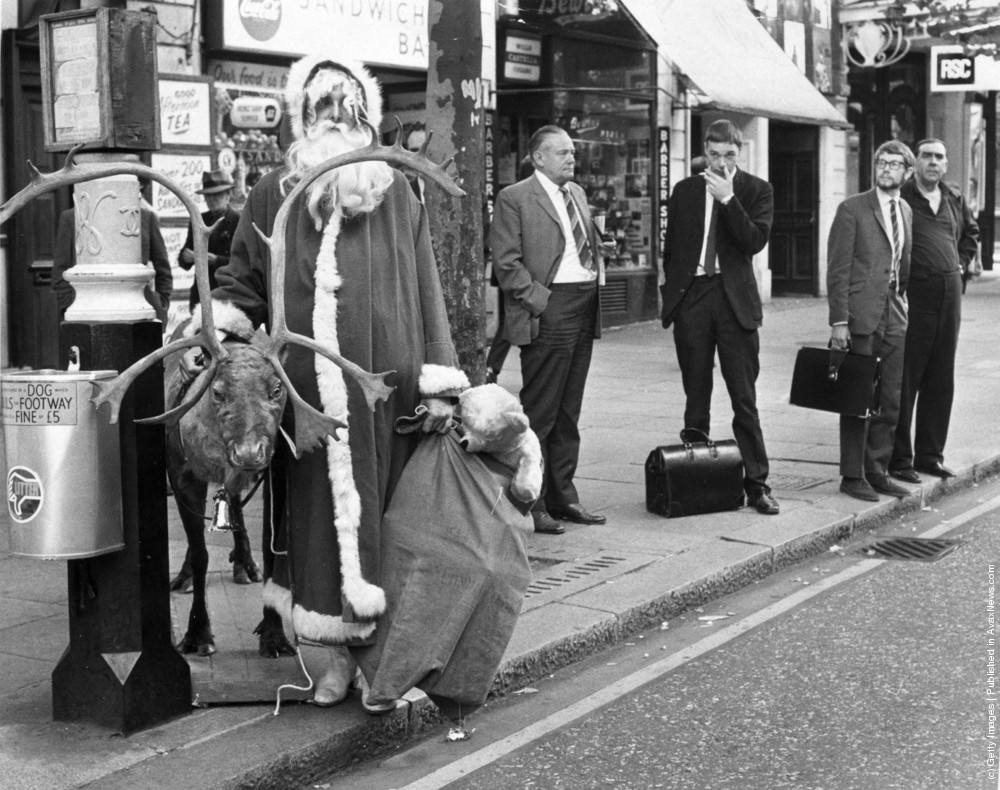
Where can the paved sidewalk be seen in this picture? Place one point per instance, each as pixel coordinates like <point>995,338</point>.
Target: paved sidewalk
<point>593,586</point>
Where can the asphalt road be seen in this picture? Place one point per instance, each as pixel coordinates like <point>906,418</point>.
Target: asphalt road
<point>844,673</point>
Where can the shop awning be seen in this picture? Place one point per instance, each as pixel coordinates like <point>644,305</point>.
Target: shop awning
<point>733,62</point>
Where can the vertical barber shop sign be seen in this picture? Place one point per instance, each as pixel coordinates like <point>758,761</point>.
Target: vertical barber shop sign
<point>663,185</point>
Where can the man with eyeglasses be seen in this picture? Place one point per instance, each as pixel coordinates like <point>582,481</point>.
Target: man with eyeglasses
<point>547,259</point>
<point>868,264</point>
<point>945,241</point>
<point>718,220</point>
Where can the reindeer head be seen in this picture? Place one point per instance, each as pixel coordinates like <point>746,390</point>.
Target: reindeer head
<point>312,427</point>
<point>246,401</point>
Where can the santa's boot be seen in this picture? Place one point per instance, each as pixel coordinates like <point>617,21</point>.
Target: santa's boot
<point>332,669</point>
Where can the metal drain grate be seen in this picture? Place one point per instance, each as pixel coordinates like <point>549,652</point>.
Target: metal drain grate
<point>923,549</point>
<point>790,482</point>
<point>574,573</point>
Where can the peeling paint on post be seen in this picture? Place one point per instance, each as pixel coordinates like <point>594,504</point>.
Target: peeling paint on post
<point>456,113</point>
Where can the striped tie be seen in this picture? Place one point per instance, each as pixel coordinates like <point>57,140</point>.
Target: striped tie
<point>579,234</point>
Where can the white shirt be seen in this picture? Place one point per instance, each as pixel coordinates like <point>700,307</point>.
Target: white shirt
<point>709,203</point>
<point>570,270</point>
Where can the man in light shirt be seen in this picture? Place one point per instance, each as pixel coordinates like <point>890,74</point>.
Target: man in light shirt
<point>547,257</point>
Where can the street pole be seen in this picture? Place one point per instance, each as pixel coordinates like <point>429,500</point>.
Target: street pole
<point>456,113</point>
<point>987,225</point>
<point>99,90</point>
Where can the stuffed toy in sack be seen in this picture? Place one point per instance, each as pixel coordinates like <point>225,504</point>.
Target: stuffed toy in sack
<point>493,422</point>
<point>454,564</point>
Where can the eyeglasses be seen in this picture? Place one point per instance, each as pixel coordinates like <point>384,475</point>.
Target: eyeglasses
<point>885,164</point>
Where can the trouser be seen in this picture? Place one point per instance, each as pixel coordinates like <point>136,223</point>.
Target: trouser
<point>500,346</point>
<point>705,323</point>
<point>866,443</point>
<point>935,314</point>
<point>554,369</point>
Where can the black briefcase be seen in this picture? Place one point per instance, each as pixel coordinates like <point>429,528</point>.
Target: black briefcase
<point>839,381</point>
<point>698,476</point>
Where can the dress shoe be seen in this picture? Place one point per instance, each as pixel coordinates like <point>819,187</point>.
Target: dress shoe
<point>884,485</point>
<point>763,502</point>
<point>859,488</point>
<point>936,468</point>
<point>907,474</point>
<point>577,514</point>
<point>545,524</point>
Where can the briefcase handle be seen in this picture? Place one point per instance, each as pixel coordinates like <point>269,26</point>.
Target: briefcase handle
<point>837,357</point>
<point>691,435</point>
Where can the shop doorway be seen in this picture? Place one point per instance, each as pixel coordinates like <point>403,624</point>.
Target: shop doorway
<point>33,323</point>
<point>794,173</point>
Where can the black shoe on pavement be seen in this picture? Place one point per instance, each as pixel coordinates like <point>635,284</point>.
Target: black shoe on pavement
<point>763,502</point>
<point>937,469</point>
<point>884,485</point>
<point>545,524</point>
<point>907,474</point>
<point>577,514</point>
<point>859,488</point>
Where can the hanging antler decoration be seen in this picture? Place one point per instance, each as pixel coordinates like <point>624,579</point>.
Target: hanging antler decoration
<point>311,426</point>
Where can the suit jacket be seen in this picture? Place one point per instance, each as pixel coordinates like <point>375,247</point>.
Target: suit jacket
<point>219,242</point>
<point>527,241</point>
<point>743,228</point>
<point>859,261</point>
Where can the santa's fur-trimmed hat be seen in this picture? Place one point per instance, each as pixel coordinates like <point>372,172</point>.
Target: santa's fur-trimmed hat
<point>302,72</point>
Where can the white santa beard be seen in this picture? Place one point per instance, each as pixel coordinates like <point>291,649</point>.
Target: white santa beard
<point>351,189</point>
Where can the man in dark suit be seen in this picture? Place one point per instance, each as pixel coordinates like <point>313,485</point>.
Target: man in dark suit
<point>547,262</point>
<point>945,241</point>
<point>868,266</point>
<point>718,220</point>
<point>217,188</point>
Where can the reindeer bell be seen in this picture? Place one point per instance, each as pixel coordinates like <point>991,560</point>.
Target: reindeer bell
<point>220,520</point>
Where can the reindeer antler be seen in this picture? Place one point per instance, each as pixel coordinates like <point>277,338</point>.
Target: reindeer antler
<point>311,425</point>
<point>72,172</point>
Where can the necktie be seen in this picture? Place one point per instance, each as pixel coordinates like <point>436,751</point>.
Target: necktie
<point>710,240</point>
<point>897,244</point>
<point>579,234</point>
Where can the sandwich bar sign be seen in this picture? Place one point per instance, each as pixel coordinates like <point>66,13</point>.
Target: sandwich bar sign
<point>394,32</point>
<point>954,70</point>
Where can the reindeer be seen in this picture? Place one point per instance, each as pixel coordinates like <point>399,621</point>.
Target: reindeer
<point>219,440</point>
<point>226,438</point>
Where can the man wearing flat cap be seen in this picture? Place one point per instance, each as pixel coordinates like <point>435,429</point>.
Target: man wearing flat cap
<point>217,188</point>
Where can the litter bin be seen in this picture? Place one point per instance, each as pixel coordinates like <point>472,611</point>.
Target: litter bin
<point>62,466</point>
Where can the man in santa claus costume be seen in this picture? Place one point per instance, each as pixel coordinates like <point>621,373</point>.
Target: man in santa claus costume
<point>360,278</point>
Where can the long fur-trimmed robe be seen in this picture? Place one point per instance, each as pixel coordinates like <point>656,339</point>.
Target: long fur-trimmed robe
<point>375,293</point>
